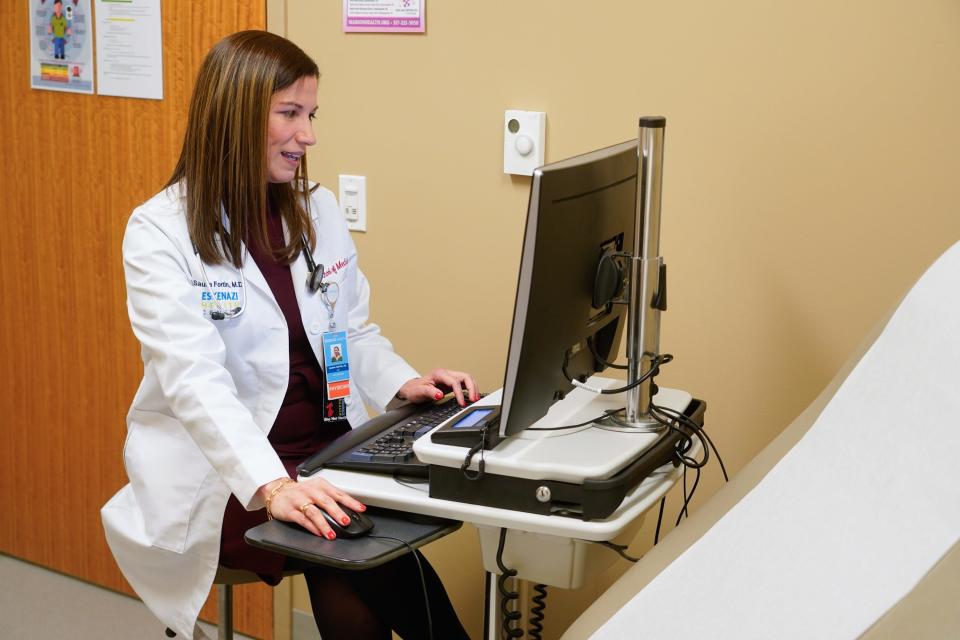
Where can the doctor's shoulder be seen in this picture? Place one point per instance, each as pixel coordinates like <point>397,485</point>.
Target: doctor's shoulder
<point>169,203</point>
<point>161,215</point>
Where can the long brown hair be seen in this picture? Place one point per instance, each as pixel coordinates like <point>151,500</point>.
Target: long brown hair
<point>223,160</point>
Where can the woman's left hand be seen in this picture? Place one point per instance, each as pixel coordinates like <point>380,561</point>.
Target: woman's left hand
<point>436,383</point>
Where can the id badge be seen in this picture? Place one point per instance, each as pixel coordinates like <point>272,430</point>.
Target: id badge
<point>336,364</point>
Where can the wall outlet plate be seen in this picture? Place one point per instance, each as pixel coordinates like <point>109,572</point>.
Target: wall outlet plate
<point>353,201</point>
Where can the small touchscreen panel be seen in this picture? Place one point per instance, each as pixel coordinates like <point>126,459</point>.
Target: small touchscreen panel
<point>472,418</point>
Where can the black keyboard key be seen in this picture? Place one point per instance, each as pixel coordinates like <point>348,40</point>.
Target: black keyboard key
<point>360,456</point>
<point>423,430</point>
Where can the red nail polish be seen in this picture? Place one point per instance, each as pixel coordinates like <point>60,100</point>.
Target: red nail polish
<point>331,535</point>
<point>345,520</point>
<point>363,507</point>
<point>437,395</point>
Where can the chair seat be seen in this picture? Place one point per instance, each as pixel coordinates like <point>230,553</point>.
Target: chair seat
<point>225,578</point>
<point>234,576</point>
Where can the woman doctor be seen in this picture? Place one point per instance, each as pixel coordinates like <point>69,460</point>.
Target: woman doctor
<point>234,314</point>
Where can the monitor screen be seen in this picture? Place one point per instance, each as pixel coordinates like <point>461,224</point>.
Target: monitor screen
<point>579,209</point>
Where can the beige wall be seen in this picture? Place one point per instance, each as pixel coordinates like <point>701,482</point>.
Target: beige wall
<point>809,179</point>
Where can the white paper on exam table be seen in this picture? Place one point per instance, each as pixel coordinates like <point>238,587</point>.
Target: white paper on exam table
<point>852,518</point>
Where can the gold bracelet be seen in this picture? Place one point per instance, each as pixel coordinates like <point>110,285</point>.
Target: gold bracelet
<point>277,489</point>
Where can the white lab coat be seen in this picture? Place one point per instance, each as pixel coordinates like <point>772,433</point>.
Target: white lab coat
<point>211,390</point>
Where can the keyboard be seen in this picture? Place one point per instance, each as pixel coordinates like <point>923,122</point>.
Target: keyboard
<point>384,444</point>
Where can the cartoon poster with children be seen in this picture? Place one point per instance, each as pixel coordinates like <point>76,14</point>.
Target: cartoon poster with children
<point>61,45</point>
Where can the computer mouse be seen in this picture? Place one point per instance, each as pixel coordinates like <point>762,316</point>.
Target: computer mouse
<point>360,525</point>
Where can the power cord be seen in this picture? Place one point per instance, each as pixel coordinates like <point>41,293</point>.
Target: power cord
<point>587,423</point>
<point>506,596</point>
<point>656,534</point>
<point>601,359</point>
<point>658,360</point>
<point>410,482</point>
<point>687,497</point>
<point>666,416</point>
<point>674,419</point>
<point>681,417</point>
<point>619,549</point>
<point>685,444</point>
<point>670,418</point>
<point>423,581</point>
<point>536,611</point>
<point>481,465</point>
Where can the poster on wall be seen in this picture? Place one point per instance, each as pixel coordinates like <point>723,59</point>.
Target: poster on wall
<point>61,47</point>
<point>129,49</point>
<point>384,16</point>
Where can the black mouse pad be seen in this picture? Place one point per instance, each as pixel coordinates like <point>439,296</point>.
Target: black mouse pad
<point>364,552</point>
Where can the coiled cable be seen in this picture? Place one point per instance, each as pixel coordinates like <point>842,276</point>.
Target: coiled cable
<point>536,611</point>
<point>506,596</point>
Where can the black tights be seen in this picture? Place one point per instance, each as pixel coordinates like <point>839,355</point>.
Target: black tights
<point>368,604</point>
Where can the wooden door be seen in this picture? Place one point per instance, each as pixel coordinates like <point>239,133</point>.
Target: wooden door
<point>73,168</point>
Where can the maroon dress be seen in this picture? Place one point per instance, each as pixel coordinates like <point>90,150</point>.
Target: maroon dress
<point>299,429</point>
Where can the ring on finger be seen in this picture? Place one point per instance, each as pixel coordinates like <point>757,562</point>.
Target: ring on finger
<point>303,507</point>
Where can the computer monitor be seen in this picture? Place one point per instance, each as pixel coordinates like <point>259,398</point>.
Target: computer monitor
<point>580,209</point>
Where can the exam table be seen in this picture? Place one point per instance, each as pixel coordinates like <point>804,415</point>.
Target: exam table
<point>711,577</point>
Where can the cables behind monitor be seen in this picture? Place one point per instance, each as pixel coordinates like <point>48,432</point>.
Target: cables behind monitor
<point>687,428</point>
<point>654,369</point>
<point>669,418</point>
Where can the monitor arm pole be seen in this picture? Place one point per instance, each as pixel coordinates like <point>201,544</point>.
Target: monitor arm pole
<point>647,274</point>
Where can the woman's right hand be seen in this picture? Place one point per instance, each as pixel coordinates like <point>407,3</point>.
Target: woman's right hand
<point>301,502</point>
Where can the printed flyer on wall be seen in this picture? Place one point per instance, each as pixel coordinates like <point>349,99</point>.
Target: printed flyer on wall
<point>129,49</point>
<point>384,16</point>
<point>61,46</point>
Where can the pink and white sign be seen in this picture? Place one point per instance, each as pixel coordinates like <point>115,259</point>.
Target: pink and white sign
<point>384,16</point>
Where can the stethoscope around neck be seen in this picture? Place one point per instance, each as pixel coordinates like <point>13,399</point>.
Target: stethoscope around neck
<point>314,284</point>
